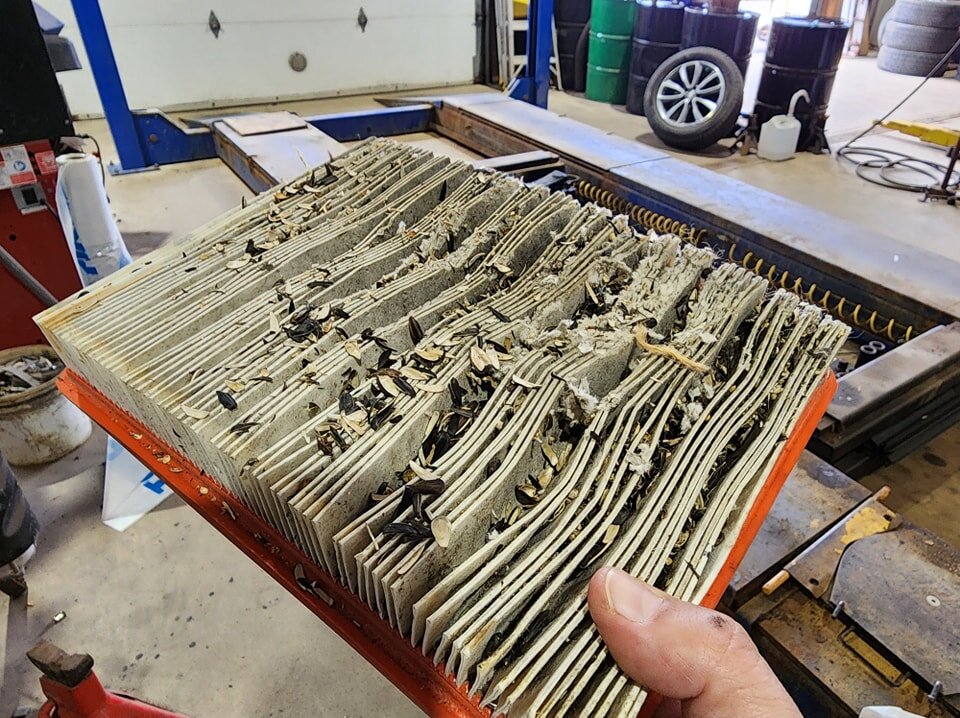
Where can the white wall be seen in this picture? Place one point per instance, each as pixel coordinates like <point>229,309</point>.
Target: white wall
<point>169,58</point>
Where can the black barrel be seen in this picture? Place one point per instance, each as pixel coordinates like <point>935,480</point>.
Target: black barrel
<point>570,17</point>
<point>656,36</point>
<point>731,33</point>
<point>568,33</point>
<point>662,22</point>
<point>573,11</point>
<point>802,54</point>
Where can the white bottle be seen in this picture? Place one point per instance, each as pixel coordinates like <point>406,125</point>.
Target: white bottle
<point>886,712</point>
<point>779,134</point>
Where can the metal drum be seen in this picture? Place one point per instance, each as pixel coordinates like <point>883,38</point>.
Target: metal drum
<point>656,36</point>
<point>570,17</point>
<point>611,51</point>
<point>568,35</point>
<point>614,17</point>
<point>571,11</point>
<point>731,33</point>
<point>802,54</point>
<point>611,23</point>
<point>662,23</point>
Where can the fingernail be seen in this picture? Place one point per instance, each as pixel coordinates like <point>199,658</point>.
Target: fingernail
<point>632,599</point>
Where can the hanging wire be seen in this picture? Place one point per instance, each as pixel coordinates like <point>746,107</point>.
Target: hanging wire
<point>889,168</point>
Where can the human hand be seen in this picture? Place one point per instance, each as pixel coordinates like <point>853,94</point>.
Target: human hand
<point>702,662</point>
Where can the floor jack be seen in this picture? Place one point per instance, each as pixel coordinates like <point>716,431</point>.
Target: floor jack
<point>74,691</point>
<point>937,135</point>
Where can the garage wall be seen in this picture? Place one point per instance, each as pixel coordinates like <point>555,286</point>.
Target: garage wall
<point>169,58</point>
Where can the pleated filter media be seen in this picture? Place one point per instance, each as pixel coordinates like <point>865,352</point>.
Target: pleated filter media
<point>461,395</point>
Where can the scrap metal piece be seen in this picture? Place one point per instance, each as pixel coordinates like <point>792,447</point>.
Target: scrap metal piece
<point>813,498</point>
<point>886,582</point>
<point>862,391</point>
<point>68,669</point>
<point>261,123</point>
<point>816,566</point>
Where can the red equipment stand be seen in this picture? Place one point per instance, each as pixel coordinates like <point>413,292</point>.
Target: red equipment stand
<point>74,691</point>
<point>30,231</point>
<point>405,666</point>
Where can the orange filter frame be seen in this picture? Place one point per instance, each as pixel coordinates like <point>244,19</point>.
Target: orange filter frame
<point>404,665</point>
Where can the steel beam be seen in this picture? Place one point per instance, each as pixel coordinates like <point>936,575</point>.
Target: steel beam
<point>533,85</point>
<point>862,277</point>
<point>381,122</point>
<point>103,65</point>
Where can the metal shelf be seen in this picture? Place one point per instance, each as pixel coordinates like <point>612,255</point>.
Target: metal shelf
<point>405,666</point>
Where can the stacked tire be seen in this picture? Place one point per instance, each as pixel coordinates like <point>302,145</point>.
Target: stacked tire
<point>917,35</point>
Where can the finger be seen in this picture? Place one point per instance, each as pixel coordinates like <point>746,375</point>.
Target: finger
<point>684,651</point>
<point>668,708</point>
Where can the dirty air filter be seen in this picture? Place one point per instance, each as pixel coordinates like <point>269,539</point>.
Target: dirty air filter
<point>460,395</point>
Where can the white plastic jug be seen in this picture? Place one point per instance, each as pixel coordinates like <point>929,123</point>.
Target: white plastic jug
<point>779,134</point>
<point>886,712</point>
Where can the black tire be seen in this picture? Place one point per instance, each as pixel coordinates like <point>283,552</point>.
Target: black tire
<point>580,60</point>
<point>919,38</point>
<point>718,124</point>
<point>909,62</point>
<point>932,13</point>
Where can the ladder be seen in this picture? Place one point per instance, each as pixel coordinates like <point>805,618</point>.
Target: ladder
<point>510,63</point>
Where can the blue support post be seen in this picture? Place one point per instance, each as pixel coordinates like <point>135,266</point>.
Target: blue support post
<point>109,86</point>
<point>534,85</point>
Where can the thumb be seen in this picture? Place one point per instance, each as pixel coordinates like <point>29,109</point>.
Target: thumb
<point>698,656</point>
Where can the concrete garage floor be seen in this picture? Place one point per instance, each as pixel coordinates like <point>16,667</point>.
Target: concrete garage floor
<point>173,614</point>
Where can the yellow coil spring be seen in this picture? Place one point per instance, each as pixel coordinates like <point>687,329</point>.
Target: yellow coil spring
<point>838,306</point>
<point>833,303</point>
<point>646,218</point>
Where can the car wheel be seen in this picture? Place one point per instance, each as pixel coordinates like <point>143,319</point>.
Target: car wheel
<point>693,99</point>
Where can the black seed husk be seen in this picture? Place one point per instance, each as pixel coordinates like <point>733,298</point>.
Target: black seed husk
<point>347,402</point>
<point>408,532</point>
<point>243,427</point>
<point>253,250</point>
<point>431,487</point>
<point>405,386</point>
<point>416,333</point>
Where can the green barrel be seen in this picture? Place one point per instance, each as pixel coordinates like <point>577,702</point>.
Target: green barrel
<point>612,51</point>
<point>608,57</point>
<point>614,17</point>
<point>605,84</point>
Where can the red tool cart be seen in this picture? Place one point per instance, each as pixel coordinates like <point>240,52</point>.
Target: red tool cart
<point>35,261</point>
